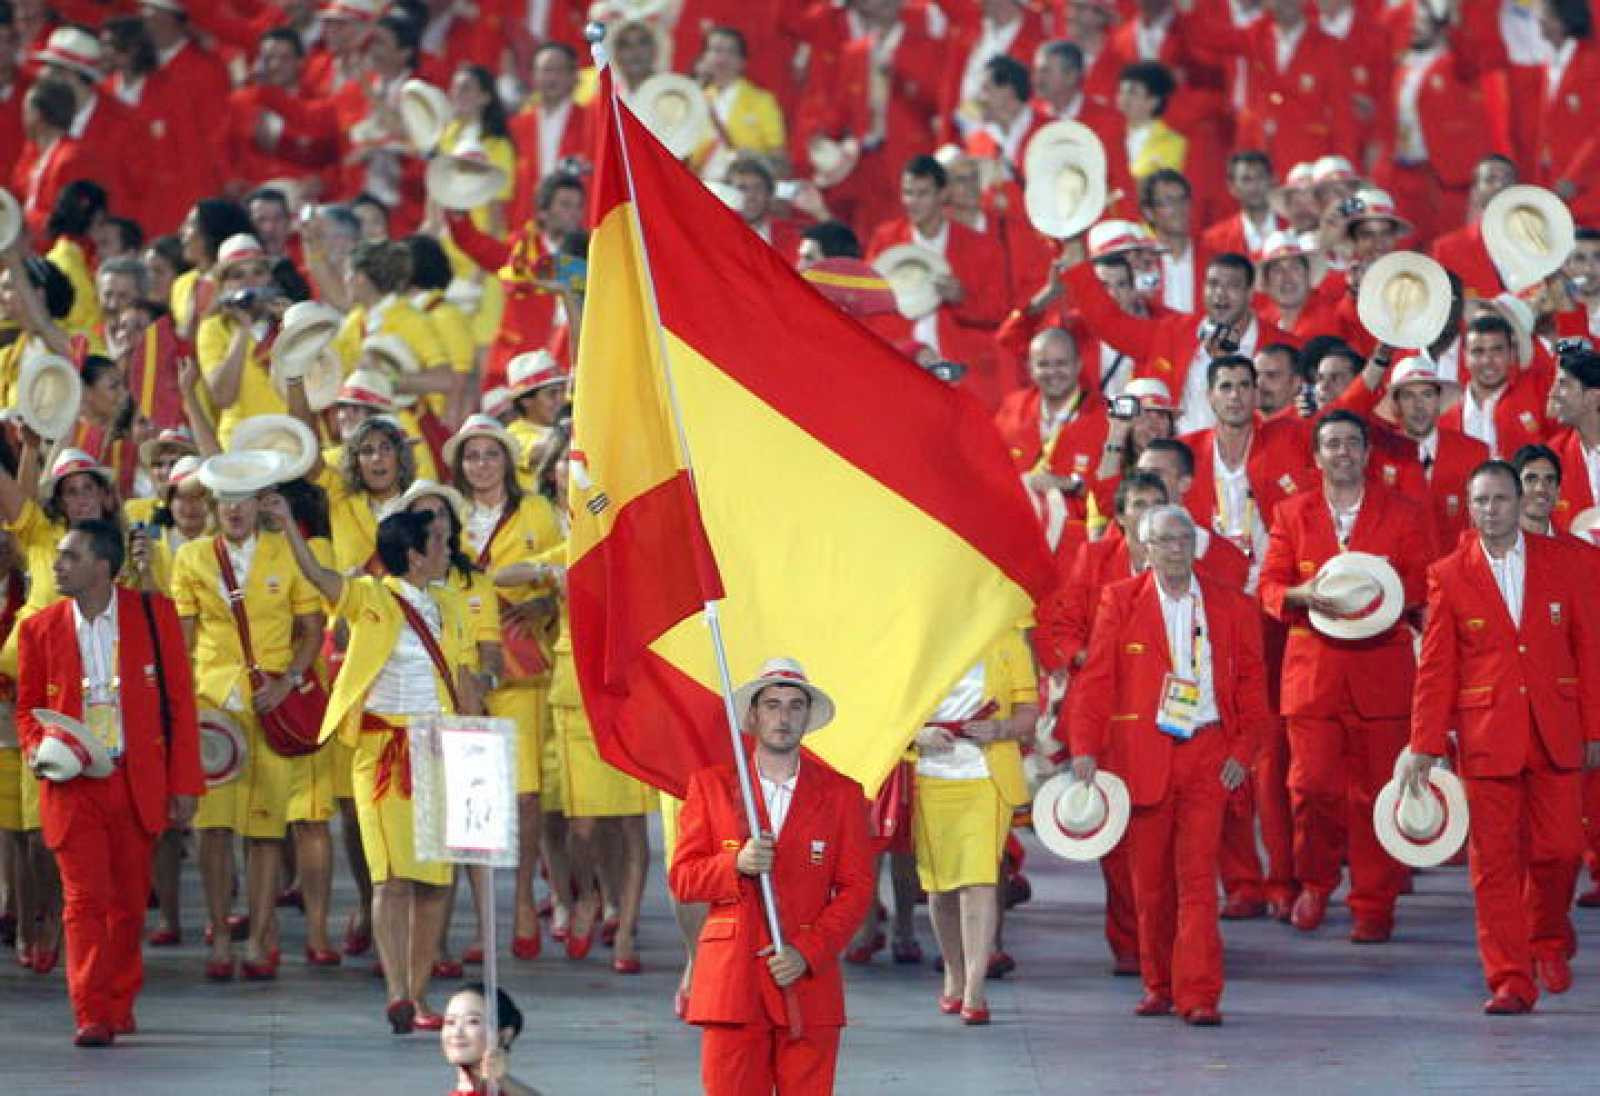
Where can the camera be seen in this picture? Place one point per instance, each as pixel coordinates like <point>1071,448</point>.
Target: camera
<point>947,371</point>
<point>1352,206</point>
<point>250,298</point>
<point>1123,407</point>
<point>1308,397</point>
<point>1222,333</point>
<point>787,190</point>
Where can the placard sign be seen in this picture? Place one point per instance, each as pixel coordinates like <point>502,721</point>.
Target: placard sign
<point>464,789</point>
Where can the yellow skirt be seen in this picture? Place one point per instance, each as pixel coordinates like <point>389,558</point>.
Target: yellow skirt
<point>670,806</point>
<point>19,792</point>
<point>528,705</point>
<point>960,828</point>
<point>270,791</point>
<point>219,806</point>
<point>340,757</point>
<point>387,825</point>
<point>590,787</point>
<point>550,801</point>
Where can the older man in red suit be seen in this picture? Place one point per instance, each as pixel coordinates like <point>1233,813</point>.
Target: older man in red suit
<point>972,300</point>
<point>1175,668</point>
<point>1511,660</point>
<point>93,656</point>
<point>550,128</point>
<point>771,1021</point>
<point>1346,701</point>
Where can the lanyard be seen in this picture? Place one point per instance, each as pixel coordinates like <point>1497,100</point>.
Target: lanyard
<point>1049,447</point>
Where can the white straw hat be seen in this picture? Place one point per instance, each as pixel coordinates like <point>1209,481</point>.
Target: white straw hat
<point>1421,831</point>
<point>424,113</point>
<point>222,747</point>
<point>68,749</point>
<point>1078,820</point>
<point>243,475</point>
<point>1404,300</point>
<point>49,390</point>
<point>910,270</point>
<point>281,434</point>
<point>674,108</point>
<point>461,183</point>
<point>1367,591</point>
<point>1528,232</point>
<point>785,671</point>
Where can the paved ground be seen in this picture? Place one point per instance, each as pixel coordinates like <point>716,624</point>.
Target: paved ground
<point>1312,1013</point>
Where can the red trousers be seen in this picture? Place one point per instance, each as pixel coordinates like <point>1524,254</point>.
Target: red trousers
<point>1271,776</point>
<point>1122,922</point>
<point>1527,843</point>
<point>1337,765</point>
<point>759,1059</point>
<point>1591,824</point>
<point>104,861</point>
<point>1239,860</point>
<point>1175,844</point>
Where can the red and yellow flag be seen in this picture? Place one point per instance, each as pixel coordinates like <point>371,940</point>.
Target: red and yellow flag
<point>863,517</point>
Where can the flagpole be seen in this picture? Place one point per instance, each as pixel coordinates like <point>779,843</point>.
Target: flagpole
<point>595,34</point>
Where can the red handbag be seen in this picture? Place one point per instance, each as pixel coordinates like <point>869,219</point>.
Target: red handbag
<point>294,727</point>
<point>523,654</point>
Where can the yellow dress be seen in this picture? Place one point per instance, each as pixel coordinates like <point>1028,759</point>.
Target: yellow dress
<point>532,531</point>
<point>375,620</point>
<point>272,790</point>
<point>257,396</point>
<point>960,824</point>
<point>486,318</point>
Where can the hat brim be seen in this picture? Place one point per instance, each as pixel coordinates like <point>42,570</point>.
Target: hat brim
<point>222,747</point>
<point>1518,267</point>
<point>822,710</point>
<point>1422,854</point>
<point>1070,846</point>
<point>913,299</point>
<point>1390,605</point>
<point>424,113</point>
<point>252,432</point>
<point>243,474</point>
<point>1051,141</point>
<point>503,436</point>
<point>100,764</point>
<point>682,136</point>
<point>53,422</point>
<point>1416,332</point>
<point>1042,199</point>
<point>460,184</point>
<point>10,219</point>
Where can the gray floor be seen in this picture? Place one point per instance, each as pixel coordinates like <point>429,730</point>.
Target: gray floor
<point>1309,1014</point>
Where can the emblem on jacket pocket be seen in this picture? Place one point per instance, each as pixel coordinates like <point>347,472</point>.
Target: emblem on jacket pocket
<point>817,850</point>
<point>729,845</point>
<point>1475,624</point>
<point>1555,612</point>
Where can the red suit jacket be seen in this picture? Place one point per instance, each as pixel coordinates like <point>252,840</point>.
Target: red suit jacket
<point>1519,412</point>
<point>308,144</point>
<point>1576,494</point>
<point>1228,235</point>
<point>1498,682</point>
<point>577,139</point>
<point>963,39</point>
<point>1275,465</point>
<point>1450,109</point>
<point>50,675</point>
<point>1163,348</point>
<point>1115,697</point>
<point>1464,253</point>
<point>1077,444</point>
<point>1566,147</point>
<point>11,132</point>
<point>823,877</point>
<point>1320,675</point>
<point>966,330</point>
<point>1296,115</point>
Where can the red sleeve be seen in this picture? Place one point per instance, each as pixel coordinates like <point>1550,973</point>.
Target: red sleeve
<point>1091,691</point>
<point>489,253</point>
<point>983,303</point>
<point>184,775</point>
<point>702,870</point>
<point>1278,572</point>
<point>1255,719</point>
<point>32,671</point>
<point>1433,698</point>
<point>1105,317</point>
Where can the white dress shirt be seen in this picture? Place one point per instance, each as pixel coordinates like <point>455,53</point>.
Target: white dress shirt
<point>992,42</point>
<point>1510,573</point>
<point>779,795</point>
<point>1410,148</point>
<point>1591,461</point>
<point>480,525</point>
<point>1477,419</point>
<point>552,127</point>
<point>1428,453</point>
<point>1344,519</point>
<point>1190,646</point>
<point>1177,278</point>
<point>926,330</point>
<point>964,760</point>
<point>97,650</point>
<point>406,684</point>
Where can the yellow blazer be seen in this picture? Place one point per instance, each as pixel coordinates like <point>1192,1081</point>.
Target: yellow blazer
<point>1010,680</point>
<point>755,123</point>
<point>369,608</point>
<point>1164,147</point>
<point>275,592</point>
<point>257,396</point>
<point>84,316</point>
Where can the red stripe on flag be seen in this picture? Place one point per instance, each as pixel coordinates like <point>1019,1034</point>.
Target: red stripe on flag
<point>664,729</point>
<point>729,295</point>
<point>652,570</point>
<point>610,182</point>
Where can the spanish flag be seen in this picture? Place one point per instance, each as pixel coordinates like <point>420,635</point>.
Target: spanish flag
<point>738,438</point>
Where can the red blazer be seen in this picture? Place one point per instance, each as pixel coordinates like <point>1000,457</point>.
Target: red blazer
<point>963,39</point>
<point>1163,348</point>
<point>1495,680</point>
<point>966,330</point>
<point>1463,252</point>
<point>50,675</point>
<point>1078,444</point>
<point>1275,465</point>
<point>1519,413</point>
<point>1115,697</point>
<point>1228,235</point>
<point>1296,115</point>
<point>1576,494</point>
<point>12,136</point>
<point>1320,673</point>
<point>824,879</point>
<point>309,143</point>
<point>1455,122</point>
<point>1567,148</point>
<point>1369,59</point>
<point>577,139</point>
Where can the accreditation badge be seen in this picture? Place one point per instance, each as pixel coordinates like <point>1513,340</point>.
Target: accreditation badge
<point>105,723</point>
<point>1180,703</point>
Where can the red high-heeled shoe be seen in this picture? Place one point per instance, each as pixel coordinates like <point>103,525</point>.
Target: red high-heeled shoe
<point>627,966</point>
<point>526,947</point>
<point>219,970</point>
<point>44,959</point>
<point>401,1015</point>
<point>426,1020</point>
